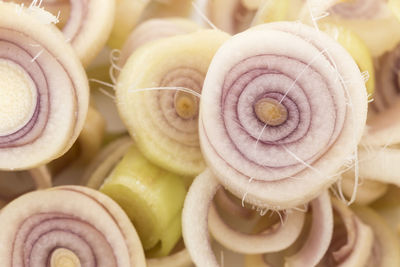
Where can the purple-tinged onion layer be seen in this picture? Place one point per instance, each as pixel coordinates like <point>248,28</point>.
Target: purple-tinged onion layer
<point>320,87</point>
<point>88,225</point>
<point>44,91</point>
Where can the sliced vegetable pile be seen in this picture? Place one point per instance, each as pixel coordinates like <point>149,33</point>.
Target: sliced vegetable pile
<point>178,133</point>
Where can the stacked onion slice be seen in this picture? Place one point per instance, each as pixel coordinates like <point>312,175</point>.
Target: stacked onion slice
<point>158,98</point>
<point>43,91</point>
<point>283,106</point>
<point>68,225</point>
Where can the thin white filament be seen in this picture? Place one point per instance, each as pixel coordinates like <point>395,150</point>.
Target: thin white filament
<point>203,16</point>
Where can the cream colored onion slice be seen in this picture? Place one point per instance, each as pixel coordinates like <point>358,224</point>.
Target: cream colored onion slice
<point>255,149</point>
<point>90,228</point>
<point>44,91</point>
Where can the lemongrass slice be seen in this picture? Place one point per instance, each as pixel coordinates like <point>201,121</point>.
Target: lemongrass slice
<point>380,164</point>
<point>195,229</point>
<point>68,224</point>
<point>231,205</point>
<point>152,198</point>
<point>101,167</point>
<point>383,128</point>
<point>88,23</point>
<point>386,245</point>
<point>312,245</point>
<point>167,8</point>
<point>367,191</point>
<point>178,259</point>
<point>352,239</point>
<point>275,238</point>
<point>388,207</point>
<point>105,161</point>
<point>58,8</point>
<point>366,9</point>
<point>231,16</point>
<point>14,184</point>
<point>357,49</point>
<point>388,84</point>
<point>372,20</point>
<point>277,123</point>
<point>91,137</point>
<point>154,29</point>
<point>44,91</point>
<point>86,146</point>
<point>395,7</point>
<point>127,15</point>
<point>164,123</point>
<point>276,10</point>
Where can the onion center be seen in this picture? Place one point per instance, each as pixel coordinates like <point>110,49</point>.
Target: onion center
<point>62,257</point>
<point>17,94</point>
<point>186,105</point>
<point>270,111</point>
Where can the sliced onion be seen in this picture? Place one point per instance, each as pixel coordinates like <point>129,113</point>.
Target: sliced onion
<point>44,96</point>
<point>73,224</point>
<point>288,163</point>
